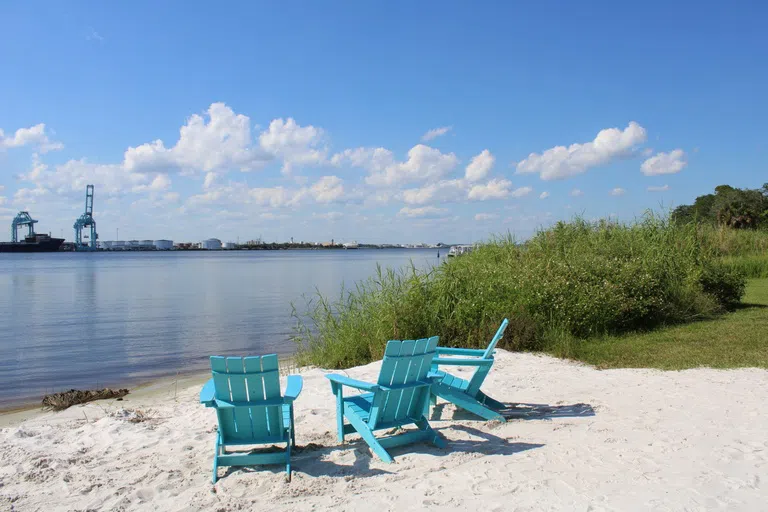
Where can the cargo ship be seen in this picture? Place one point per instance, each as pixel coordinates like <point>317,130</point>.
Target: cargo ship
<point>34,242</point>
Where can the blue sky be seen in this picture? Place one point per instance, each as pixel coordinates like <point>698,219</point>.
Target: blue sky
<point>376,122</point>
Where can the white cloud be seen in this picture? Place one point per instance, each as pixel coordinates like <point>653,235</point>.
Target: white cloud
<point>662,188</point>
<point>372,159</point>
<point>435,133</point>
<point>329,216</point>
<point>521,192</point>
<point>423,164</point>
<point>479,167</point>
<point>562,162</point>
<point>576,192</point>
<point>618,191</point>
<point>222,143</point>
<point>424,211</point>
<point>544,195</point>
<point>32,136</point>
<point>210,180</point>
<point>296,145</point>
<point>273,216</point>
<point>485,216</point>
<point>665,163</point>
<point>445,191</point>
<point>494,189</point>
<point>275,197</point>
<point>94,36</point>
<point>328,189</point>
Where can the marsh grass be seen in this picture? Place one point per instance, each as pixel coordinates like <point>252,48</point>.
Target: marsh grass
<point>577,280</point>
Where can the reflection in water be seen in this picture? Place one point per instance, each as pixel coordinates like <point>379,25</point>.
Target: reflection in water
<point>76,320</point>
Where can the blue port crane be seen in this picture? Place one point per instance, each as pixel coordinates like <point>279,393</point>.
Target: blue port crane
<point>22,219</point>
<point>86,221</point>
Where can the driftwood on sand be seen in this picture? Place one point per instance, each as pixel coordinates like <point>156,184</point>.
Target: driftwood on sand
<point>60,401</point>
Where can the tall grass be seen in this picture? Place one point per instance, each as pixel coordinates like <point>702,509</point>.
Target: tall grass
<point>574,280</point>
<point>730,242</point>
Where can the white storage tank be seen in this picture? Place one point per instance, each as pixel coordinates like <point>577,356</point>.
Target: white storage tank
<point>163,245</point>
<point>147,244</point>
<point>230,245</point>
<point>118,244</point>
<point>212,244</point>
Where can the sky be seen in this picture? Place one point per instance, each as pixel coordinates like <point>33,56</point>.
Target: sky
<point>376,122</point>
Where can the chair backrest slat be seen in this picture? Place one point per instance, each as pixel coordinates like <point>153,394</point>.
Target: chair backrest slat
<point>492,345</point>
<point>243,380</point>
<point>272,390</point>
<point>405,362</point>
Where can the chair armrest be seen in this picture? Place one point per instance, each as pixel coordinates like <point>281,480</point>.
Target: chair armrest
<point>292,390</point>
<point>462,362</point>
<point>208,394</point>
<point>346,381</point>
<point>460,351</point>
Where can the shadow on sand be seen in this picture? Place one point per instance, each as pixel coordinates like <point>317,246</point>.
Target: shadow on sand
<point>316,460</point>
<point>522,411</point>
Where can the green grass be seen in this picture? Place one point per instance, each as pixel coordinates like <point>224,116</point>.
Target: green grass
<point>733,340</point>
<point>575,280</point>
<point>753,265</point>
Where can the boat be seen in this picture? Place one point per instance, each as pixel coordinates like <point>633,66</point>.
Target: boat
<point>458,250</point>
<point>35,242</point>
<point>351,245</point>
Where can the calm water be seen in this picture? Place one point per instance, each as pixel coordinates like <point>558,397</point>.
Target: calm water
<point>70,320</point>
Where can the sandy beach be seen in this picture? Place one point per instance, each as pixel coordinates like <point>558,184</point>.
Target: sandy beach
<point>587,440</point>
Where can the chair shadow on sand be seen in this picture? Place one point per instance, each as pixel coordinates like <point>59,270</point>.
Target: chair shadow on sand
<point>523,411</point>
<point>315,459</point>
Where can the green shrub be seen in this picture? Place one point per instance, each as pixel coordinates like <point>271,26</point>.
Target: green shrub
<point>576,280</point>
<point>725,283</point>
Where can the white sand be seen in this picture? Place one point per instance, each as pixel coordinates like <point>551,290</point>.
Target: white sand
<point>691,440</point>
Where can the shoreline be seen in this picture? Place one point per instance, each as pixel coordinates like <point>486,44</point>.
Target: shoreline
<point>146,390</point>
<point>170,385</point>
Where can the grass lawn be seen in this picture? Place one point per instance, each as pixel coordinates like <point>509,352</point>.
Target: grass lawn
<point>737,339</point>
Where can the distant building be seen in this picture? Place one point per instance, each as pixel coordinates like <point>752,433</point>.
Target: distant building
<point>230,245</point>
<point>212,244</point>
<point>163,245</point>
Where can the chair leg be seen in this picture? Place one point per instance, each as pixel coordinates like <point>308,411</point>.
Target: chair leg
<point>470,404</point>
<point>293,429</point>
<point>288,463</point>
<point>216,460</point>
<point>340,413</point>
<point>436,438</point>
<point>490,402</point>
<point>369,438</point>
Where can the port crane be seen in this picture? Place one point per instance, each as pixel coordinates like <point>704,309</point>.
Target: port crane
<point>86,221</point>
<point>22,219</point>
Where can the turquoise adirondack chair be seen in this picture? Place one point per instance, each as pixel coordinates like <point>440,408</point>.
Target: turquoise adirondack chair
<point>399,398</point>
<point>245,391</point>
<point>463,393</point>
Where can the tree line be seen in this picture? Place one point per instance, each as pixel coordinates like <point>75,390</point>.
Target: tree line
<point>728,206</point>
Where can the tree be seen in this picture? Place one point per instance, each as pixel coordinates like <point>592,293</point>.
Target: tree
<point>728,206</point>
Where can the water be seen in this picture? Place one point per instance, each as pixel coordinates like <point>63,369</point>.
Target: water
<point>74,320</point>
